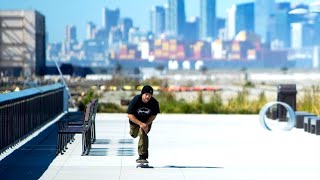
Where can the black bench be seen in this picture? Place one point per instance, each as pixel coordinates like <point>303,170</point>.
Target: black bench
<point>73,120</point>
<point>315,126</point>
<point>307,123</point>
<point>300,118</point>
<point>77,123</point>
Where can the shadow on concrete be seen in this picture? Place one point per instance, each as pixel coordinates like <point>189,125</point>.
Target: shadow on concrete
<point>178,167</point>
<point>191,167</point>
<point>97,150</point>
<point>32,159</point>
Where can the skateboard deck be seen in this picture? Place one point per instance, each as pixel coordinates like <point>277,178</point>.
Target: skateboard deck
<point>143,165</point>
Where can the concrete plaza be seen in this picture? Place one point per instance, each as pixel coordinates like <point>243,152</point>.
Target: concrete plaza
<point>181,147</point>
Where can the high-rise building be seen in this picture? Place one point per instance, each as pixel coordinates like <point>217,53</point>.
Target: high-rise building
<point>125,24</point>
<point>192,30</point>
<point>71,34</point>
<point>279,32</point>
<point>302,35</point>
<point>231,23</point>
<point>208,27</point>
<point>53,51</point>
<point>221,24</point>
<point>308,35</point>
<point>176,18</point>
<point>90,30</point>
<point>245,17</point>
<point>316,22</point>
<point>110,18</point>
<point>70,39</point>
<point>157,20</point>
<point>296,35</point>
<point>22,43</point>
<point>136,36</point>
<point>262,12</point>
<point>115,37</point>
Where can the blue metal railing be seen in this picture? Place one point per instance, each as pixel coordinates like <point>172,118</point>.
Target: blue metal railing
<point>23,112</point>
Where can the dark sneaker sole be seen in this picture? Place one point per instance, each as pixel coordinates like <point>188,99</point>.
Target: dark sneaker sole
<point>142,161</point>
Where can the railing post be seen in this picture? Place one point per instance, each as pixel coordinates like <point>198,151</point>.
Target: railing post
<point>65,99</point>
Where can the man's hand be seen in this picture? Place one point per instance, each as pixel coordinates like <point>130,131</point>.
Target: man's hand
<point>144,127</point>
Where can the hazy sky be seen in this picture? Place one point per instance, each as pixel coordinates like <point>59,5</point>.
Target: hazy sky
<point>60,13</point>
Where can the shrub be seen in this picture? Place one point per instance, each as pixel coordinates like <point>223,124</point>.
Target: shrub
<point>110,108</point>
<point>215,105</point>
<point>89,95</point>
<point>310,100</point>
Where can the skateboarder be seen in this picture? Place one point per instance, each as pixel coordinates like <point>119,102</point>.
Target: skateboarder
<point>142,111</point>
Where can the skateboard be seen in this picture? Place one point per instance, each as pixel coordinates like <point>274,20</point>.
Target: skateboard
<point>143,165</point>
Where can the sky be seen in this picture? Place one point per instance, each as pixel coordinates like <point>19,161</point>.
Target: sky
<point>60,13</point>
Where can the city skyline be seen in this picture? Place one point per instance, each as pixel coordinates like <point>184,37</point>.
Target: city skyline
<point>58,15</point>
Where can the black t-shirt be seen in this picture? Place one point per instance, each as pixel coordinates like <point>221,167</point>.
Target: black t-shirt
<point>142,110</point>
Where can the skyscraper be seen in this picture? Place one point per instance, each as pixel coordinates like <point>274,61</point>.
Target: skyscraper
<point>208,28</point>
<point>157,19</point>
<point>70,40</point>
<point>262,12</point>
<point>176,17</point>
<point>192,30</point>
<point>281,24</point>
<point>245,17</point>
<point>125,24</point>
<point>71,34</point>
<point>110,18</point>
<point>296,35</point>
<point>231,22</point>
<point>90,30</point>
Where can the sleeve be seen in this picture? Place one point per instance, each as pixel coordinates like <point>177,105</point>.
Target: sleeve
<point>132,105</point>
<point>156,107</point>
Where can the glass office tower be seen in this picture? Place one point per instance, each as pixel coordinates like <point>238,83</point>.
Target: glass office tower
<point>208,28</point>
<point>263,10</point>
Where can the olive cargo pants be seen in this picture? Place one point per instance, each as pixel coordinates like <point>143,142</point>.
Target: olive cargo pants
<point>143,144</point>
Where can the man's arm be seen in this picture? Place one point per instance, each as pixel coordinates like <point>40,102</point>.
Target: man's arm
<point>151,119</point>
<point>134,119</point>
<point>142,125</point>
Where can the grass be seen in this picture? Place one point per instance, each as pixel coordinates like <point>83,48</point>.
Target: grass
<point>310,101</point>
<point>240,104</point>
<point>237,105</point>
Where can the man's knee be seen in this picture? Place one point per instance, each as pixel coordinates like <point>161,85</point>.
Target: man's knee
<point>134,131</point>
<point>142,134</point>
<point>133,135</point>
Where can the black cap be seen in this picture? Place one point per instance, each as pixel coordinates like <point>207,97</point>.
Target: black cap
<point>147,89</point>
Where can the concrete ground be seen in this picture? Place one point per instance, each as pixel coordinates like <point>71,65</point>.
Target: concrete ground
<point>181,147</point>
